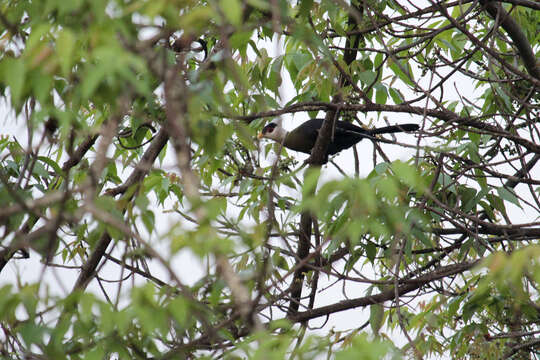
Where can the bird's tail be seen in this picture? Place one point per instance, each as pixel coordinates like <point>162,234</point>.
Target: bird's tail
<point>393,129</point>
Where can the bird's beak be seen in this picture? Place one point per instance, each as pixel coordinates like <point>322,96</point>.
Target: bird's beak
<point>260,136</point>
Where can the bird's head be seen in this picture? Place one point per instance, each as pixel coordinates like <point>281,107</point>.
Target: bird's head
<point>273,131</point>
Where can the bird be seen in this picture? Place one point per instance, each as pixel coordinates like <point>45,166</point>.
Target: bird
<point>303,138</point>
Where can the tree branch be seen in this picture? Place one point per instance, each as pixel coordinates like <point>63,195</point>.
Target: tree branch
<point>389,294</point>
<point>520,41</point>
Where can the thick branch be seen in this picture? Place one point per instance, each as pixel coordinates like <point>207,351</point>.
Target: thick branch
<point>507,22</point>
<point>444,115</point>
<point>317,158</point>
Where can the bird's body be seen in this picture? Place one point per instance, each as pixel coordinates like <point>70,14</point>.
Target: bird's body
<point>303,138</point>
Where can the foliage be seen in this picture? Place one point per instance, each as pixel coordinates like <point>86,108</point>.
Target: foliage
<point>141,220</point>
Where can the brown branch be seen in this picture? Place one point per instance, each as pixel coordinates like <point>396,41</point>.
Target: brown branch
<point>317,158</point>
<point>387,295</point>
<point>507,22</point>
<point>519,230</point>
<point>367,29</point>
<point>150,155</point>
<point>7,253</point>
<point>515,349</point>
<point>53,197</point>
<point>77,156</point>
<point>525,3</point>
<point>144,165</point>
<point>304,241</point>
<point>533,79</point>
<point>444,115</point>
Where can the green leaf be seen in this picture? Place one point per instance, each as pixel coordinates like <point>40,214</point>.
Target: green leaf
<point>41,85</point>
<point>154,8</point>
<point>508,195</point>
<point>95,353</point>
<point>381,94</point>
<point>239,40</point>
<point>93,76</point>
<point>371,251</point>
<point>378,60</point>
<point>31,333</point>
<point>305,7</point>
<point>196,18</point>
<point>496,202</point>
<point>57,169</point>
<point>362,348</point>
<point>376,316</point>
<point>402,70</point>
<point>232,10</point>
<point>14,73</point>
<point>109,205</point>
<point>396,96</point>
<point>311,178</point>
<point>65,46</point>
<point>148,220</point>
<point>8,303</point>
<point>381,168</point>
<point>274,77</point>
<point>408,174</point>
<point>367,77</point>
<point>180,310</point>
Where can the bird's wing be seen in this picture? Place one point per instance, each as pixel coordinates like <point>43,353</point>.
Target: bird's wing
<point>347,126</point>
<point>303,137</point>
<point>345,136</point>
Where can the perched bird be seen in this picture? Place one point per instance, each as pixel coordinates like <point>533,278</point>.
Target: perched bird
<point>345,135</point>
